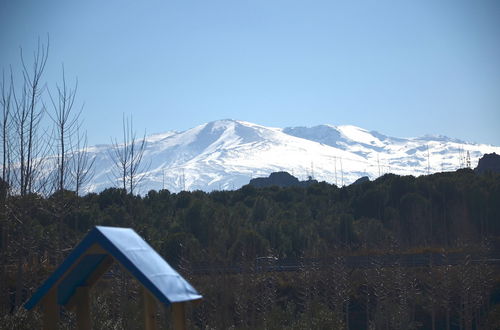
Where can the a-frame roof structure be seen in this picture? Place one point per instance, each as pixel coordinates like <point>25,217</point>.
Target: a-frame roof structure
<point>98,250</point>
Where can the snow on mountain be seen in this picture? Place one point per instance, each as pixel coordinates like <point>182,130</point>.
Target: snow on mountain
<point>226,154</point>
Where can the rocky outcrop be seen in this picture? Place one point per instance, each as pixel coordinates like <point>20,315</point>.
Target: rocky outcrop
<point>280,179</point>
<point>488,163</point>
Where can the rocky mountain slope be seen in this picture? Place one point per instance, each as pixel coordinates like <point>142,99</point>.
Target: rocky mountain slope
<point>227,154</point>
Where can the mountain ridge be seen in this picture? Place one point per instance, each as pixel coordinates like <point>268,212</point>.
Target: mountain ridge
<point>228,153</point>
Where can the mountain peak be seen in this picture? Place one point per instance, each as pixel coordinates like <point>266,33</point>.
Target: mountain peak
<point>228,153</point>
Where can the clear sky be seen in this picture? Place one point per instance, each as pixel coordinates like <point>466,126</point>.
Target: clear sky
<point>403,68</point>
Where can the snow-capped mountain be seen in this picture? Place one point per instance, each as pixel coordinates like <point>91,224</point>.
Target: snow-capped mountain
<point>226,154</point>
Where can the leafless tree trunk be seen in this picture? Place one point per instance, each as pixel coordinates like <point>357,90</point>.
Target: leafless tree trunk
<point>137,148</point>
<point>127,157</point>
<point>120,156</point>
<point>66,122</point>
<point>6,103</point>
<point>26,118</point>
<point>82,170</point>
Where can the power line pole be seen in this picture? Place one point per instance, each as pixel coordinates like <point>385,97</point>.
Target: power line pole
<point>335,167</point>
<point>461,158</point>
<point>342,171</point>
<point>378,163</point>
<point>183,181</point>
<point>428,161</point>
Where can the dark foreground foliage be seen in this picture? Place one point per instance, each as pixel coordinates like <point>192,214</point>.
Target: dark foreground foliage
<point>235,247</point>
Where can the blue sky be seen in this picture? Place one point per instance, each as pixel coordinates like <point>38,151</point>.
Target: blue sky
<point>403,68</point>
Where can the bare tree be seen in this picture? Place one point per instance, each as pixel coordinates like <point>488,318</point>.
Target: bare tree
<point>21,147</point>
<point>127,157</point>
<point>29,147</point>
<point>82,164</point>
<point>66,122</point>
<point>6,101</point>
<point>137,148</point>
<point>26,144</point>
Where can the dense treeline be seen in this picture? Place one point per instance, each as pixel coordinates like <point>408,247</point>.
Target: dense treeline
<point>220,230</point>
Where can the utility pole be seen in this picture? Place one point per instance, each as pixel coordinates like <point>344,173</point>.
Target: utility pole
<point>378,163</point>
<point>428,161</point>
<point>183,182</point>
<point>342,171</point>
<point>335,167</point>
<point>461,158</point>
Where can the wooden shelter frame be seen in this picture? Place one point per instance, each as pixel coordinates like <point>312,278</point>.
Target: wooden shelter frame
<point>71,282</point>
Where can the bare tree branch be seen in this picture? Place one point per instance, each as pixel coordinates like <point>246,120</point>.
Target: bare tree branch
<point>82,165</point>
<point>66,122</point>
<point>127,157</point>
<point>27,147</point>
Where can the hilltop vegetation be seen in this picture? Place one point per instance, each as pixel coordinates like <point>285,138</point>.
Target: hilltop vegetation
<point>456,211</point>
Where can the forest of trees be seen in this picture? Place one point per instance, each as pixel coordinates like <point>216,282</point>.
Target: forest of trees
<point>223,241</point>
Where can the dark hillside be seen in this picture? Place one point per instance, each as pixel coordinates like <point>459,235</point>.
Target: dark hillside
<point>488,163</point>
<point>399,251</point>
